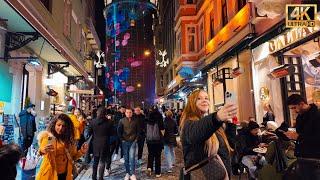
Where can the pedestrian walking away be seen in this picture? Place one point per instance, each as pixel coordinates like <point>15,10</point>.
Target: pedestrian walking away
<point>100,128</point>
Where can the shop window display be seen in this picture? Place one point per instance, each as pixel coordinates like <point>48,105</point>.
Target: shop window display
<point>308,55</point>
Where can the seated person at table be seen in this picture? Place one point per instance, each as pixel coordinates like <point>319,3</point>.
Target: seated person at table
<point>269,134</point>
<point>248,141</point>
<point>279,155</point>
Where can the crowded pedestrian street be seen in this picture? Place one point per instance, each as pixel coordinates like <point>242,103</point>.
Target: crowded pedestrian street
<point>118,170</point>
<point>160,89</point>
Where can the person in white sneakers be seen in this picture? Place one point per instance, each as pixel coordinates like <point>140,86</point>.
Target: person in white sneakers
<point>128,132</point>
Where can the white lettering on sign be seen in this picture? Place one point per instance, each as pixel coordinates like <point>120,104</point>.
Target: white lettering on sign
<point>290,37</point>
<point>280,42</point>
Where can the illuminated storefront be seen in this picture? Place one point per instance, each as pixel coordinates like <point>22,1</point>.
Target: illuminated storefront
<point>286,64</point>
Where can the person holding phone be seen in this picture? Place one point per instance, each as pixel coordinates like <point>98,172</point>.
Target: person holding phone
<point>307,136</point>
<point>57,145</point>
<point>198,131</point>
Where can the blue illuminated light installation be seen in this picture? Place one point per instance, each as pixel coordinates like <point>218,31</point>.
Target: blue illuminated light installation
<point>120,15</point>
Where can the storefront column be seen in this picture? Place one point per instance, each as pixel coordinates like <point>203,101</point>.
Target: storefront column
<point>16,69</point>
<point>210,92</point>
<point>36,90</point>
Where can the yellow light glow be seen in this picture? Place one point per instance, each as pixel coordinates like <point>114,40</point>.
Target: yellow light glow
<point>147,52</point>
<point>240,20</point>
<point>138,85</point>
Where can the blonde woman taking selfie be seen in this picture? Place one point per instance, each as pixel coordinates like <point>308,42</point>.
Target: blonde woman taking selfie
<point>199,141</point>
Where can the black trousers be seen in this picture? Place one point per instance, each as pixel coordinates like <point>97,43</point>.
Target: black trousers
<point>27,142</point>
<point>111,151</point>
<point>62,176</point>
<point>140,147</point>
<point>154,156</point>
<point>101,162</point>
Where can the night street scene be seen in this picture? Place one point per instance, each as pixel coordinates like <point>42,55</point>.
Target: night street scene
<point>160,89</point>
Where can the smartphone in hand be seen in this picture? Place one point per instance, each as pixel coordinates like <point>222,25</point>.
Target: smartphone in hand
<point>50,140</point>
<point>230,97</point>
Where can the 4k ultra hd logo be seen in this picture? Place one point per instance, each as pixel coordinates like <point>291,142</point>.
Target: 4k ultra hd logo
<point>301,15</point>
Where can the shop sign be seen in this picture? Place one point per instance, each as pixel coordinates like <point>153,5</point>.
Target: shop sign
<point>282,41</point>
<point>289,37</point>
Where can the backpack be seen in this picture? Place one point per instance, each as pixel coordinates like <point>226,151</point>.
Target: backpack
<point>153,132</point>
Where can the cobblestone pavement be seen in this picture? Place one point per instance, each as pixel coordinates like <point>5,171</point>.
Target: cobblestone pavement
<point>118,170</point>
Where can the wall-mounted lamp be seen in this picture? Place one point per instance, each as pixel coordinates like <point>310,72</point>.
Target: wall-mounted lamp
<point>34,61</point>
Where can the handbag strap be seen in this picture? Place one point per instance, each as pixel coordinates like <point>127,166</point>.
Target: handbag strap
<point>186,171</point>
<point>69,155</point>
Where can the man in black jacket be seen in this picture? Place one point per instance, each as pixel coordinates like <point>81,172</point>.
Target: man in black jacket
<point>101,129</point>
<point>141,120</point>
<point>28,127</point>
<point>307,136</point>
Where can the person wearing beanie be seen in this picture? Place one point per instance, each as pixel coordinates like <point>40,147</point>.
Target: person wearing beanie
<point>250,140</point>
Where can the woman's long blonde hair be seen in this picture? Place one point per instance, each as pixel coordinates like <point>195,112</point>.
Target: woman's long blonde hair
<point>191,112</point>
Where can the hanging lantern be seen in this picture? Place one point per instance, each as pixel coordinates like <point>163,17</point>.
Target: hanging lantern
<point>126,36</point>
<point>130,89</point>
<point>117,43</point>
<point>124,42</point>
<point>136,63</point>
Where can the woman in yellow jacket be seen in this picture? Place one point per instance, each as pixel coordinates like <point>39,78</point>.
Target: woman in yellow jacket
<point>58,148</point>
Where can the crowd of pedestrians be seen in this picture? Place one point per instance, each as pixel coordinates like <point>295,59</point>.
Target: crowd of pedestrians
<point>214,146</point>
<point>116,133</point>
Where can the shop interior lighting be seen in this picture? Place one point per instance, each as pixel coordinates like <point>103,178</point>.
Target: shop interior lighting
<point>57,79</point>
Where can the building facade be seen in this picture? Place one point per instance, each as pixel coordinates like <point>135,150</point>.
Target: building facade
<point>46,47</point>
<point>285,62</point>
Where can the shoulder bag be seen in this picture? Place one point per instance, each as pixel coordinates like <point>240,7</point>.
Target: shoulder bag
<point>209,168</point>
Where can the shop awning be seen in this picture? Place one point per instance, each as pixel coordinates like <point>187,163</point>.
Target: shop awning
<point>185,89</point>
